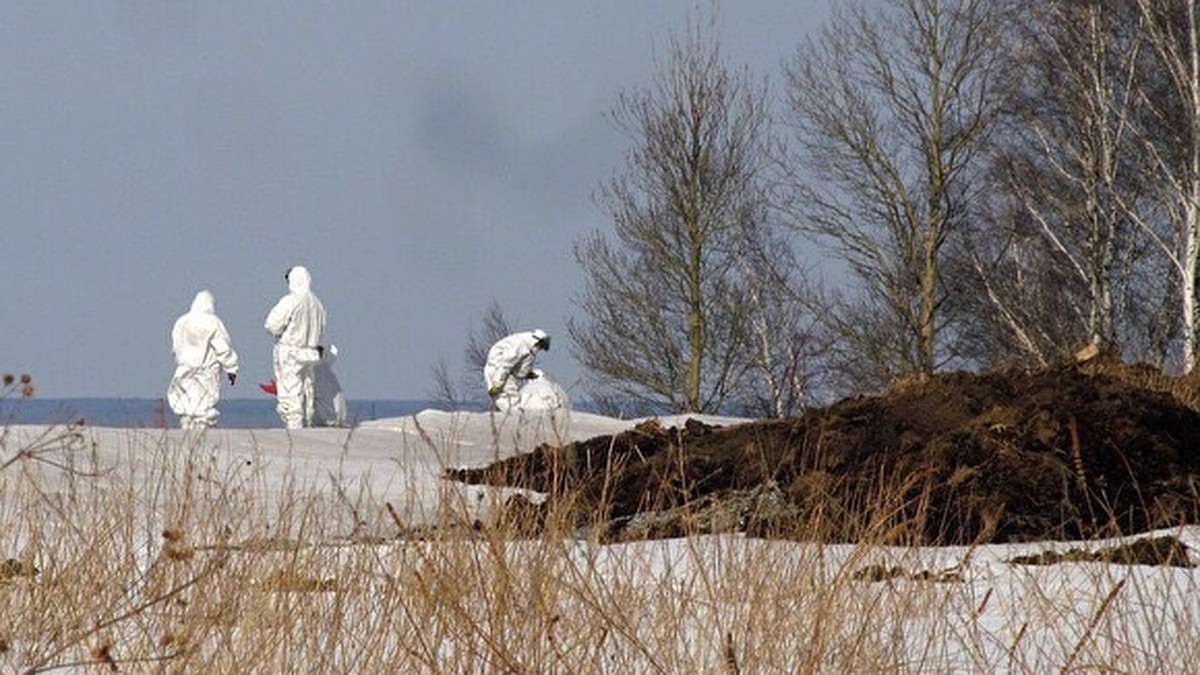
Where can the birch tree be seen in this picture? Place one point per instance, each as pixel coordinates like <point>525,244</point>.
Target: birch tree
<point>787,347</point>
<point>664,308</point>
<point>890,116</point>
<point>1058,262</point>
<point>1171,147</point>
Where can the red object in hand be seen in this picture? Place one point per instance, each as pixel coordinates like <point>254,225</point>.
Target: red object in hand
<point>269,387</point>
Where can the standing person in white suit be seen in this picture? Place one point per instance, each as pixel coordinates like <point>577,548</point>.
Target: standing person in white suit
<point>202,349</point>
<point>510,363</point>
<point>297,322</point>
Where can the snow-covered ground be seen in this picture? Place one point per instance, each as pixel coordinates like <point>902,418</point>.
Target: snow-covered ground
<point>952,609</point>
<point>398,461</point>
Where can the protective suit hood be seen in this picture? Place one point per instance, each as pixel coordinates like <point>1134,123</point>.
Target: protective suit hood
<point>299,280</point>
<point>204,303</point>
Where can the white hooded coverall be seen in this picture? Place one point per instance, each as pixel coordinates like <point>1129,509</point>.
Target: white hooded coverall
<point>297,323</point>
<point>202,350</point>
<point>509,364</point>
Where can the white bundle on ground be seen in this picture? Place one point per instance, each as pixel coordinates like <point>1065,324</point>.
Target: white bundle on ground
<point>543,393</point>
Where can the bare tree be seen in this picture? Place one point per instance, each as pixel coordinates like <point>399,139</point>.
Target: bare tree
<point>1171,146</point>
<point>1057,259</point>
<point>665,305</point>
<point>786,346</point>
<point>467,389</point>
<point>891,114</point>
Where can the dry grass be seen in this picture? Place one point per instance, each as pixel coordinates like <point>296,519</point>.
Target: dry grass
<point>183,560</point>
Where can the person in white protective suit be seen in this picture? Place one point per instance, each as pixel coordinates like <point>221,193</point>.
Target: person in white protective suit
<point>202,350</point>
<point>543,393</point>
<point>510,363</point>
<point>329,403</point>
<point>297,322</point>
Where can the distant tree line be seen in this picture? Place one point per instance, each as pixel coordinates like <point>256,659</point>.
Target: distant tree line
<point>941,184</point>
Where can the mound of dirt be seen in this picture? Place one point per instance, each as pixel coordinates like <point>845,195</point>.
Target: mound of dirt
<point>959,458</point>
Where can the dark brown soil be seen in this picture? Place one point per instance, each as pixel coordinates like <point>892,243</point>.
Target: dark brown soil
<point>960,458</point>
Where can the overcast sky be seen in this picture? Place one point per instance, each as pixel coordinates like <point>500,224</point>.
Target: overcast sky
<point>420,158</point>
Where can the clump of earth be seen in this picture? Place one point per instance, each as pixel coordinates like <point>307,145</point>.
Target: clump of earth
<point>1079,451</point>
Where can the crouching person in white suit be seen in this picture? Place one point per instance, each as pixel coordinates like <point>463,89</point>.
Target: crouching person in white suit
<point>510,363</point>
<point>202,350</point>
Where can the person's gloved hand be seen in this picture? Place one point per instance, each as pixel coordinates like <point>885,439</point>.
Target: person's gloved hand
<point>232,378</point>
<point>495,391</point>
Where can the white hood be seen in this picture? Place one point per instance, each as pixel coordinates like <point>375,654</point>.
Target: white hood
<point>299,280</point>
<point>204,303</point>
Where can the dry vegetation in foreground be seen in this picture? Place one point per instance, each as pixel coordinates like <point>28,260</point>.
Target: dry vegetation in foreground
<point>196,562</point>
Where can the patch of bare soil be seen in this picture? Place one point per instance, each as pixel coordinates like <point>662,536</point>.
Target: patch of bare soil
<point>1155,551</point>
<point>1071,452</point>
